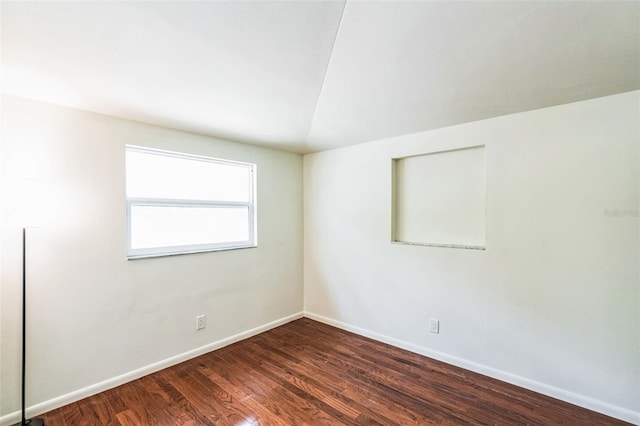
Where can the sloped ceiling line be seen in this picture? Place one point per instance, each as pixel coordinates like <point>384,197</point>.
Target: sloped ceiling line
<point>326,70</point>
<point>308,76</point>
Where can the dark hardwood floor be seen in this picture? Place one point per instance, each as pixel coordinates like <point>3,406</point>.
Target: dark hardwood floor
<point>310,373</point>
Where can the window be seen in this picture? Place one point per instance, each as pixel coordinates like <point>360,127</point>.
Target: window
<point>180,203</point>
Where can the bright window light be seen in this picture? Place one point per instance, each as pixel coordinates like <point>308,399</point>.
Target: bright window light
<point>179,203</point>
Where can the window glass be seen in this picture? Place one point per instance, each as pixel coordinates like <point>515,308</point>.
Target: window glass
<point>180,203</point>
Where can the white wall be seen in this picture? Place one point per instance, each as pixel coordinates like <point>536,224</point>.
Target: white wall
<point>552,304</point>
<point>93,315</point>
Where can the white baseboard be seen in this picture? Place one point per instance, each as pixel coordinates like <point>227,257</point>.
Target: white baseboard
<point>571,397</point>
<point>85,392</point>
<point>554,392</point>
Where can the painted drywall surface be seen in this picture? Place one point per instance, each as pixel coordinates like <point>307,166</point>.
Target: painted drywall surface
<point>94,315</point>
<point>440,198</point>
<point>555,298</point>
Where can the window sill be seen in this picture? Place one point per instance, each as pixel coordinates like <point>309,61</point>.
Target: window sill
<point>182,253</point>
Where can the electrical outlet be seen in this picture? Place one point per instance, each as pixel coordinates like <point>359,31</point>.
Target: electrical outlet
<point>201,322</point>
<point>434,326</point>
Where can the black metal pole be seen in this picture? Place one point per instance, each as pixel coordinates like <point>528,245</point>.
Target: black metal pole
<point>23,421</point>
<point>24,319</point>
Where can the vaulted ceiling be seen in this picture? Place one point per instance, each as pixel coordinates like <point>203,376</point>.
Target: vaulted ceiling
<point>312,75</point>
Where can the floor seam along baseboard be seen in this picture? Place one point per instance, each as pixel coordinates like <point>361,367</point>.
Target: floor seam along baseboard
<point>561,394</point>
<point>68,398</point>
<point>523,382</point>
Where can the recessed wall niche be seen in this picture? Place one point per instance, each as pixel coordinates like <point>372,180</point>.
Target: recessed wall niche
<point>439,199</point>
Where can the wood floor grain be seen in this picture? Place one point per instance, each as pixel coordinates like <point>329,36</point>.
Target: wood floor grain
<point>307,373</point>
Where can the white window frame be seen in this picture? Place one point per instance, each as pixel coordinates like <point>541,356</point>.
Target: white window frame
<point>164,202</point>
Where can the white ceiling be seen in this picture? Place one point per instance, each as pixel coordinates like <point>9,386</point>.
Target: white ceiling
<point>312,75</point>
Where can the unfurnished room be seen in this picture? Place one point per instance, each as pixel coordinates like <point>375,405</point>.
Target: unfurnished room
<point>320,212</point>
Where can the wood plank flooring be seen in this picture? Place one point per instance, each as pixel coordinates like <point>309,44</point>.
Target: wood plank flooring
<point>308,373</point>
